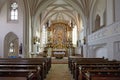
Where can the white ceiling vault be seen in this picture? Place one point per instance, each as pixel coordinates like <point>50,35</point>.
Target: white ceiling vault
<point>73,10</point>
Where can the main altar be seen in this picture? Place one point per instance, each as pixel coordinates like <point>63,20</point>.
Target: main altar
<point>59,53</point>
<point>59,38</point>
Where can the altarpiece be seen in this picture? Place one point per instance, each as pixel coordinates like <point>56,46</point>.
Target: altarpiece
<point>59,37</point>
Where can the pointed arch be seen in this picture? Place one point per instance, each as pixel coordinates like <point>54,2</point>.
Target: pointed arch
<point>13,10</point>
<point>97,22</point>
<point>11,45</point>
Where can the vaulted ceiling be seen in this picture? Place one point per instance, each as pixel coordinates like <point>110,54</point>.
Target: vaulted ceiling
<point>54,9</point>
<point>65,9</point>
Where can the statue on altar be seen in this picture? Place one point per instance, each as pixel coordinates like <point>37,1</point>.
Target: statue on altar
<point>58,35</point>
<point>60,39</point>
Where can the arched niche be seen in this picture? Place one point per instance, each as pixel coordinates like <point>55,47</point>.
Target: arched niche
<point>11,45</point>
<point>97,22</point>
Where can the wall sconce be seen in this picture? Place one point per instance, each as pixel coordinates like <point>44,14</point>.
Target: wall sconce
<point>84,40</point>
<point>35,39</point>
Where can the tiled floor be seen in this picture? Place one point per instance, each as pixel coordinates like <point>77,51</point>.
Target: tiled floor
<point>60,61</point>
<point>59,72</point>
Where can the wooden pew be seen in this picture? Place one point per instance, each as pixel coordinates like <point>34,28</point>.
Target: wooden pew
<point>100,75</point>
<point>12,78</point>
<point>98,63</point>
<point>71,59</point>
<point>43,62</point>
<point>26,61</point>
<point>48,62</point>
<point>83,61</point>
<point>27,72</point>
<point>84,68</point>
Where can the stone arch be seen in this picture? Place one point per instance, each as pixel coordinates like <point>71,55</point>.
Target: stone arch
<point>9,39</point>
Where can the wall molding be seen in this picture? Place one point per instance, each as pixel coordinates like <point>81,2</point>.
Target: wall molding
<point>105,32</point>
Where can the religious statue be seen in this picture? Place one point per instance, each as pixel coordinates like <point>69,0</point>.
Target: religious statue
<point>60,39</point>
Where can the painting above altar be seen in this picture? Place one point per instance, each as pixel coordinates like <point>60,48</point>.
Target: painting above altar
<point>59,35</point>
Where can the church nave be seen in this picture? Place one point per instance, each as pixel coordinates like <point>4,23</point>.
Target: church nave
<point>60,39</point>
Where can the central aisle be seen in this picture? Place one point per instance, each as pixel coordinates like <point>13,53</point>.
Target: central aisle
<point>59,72</point>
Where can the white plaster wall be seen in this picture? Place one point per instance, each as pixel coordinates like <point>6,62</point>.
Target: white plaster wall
<point>101,52</point>
<point>117,10</point>
<point>105,9</point>
<point>109,34</point>
<point>6,27</point>
<point>117,50</point>
<point>110,12</point>
<point>99,9</point>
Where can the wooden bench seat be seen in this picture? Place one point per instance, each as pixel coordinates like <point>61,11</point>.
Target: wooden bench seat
<point>13,78</point>
<point>20,65</point>
<point>30,72</point>
<point>83,61</point>
<point>98,69</point>
<point>71,59</point>
<point>26,61</point>
<point>78,60</point>
<point>100,75</point>
<point>90,63</point>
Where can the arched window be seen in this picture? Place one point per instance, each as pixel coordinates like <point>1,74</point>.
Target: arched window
<point>74,36</point>
<point>44,36</point>
<point>14,11</point>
